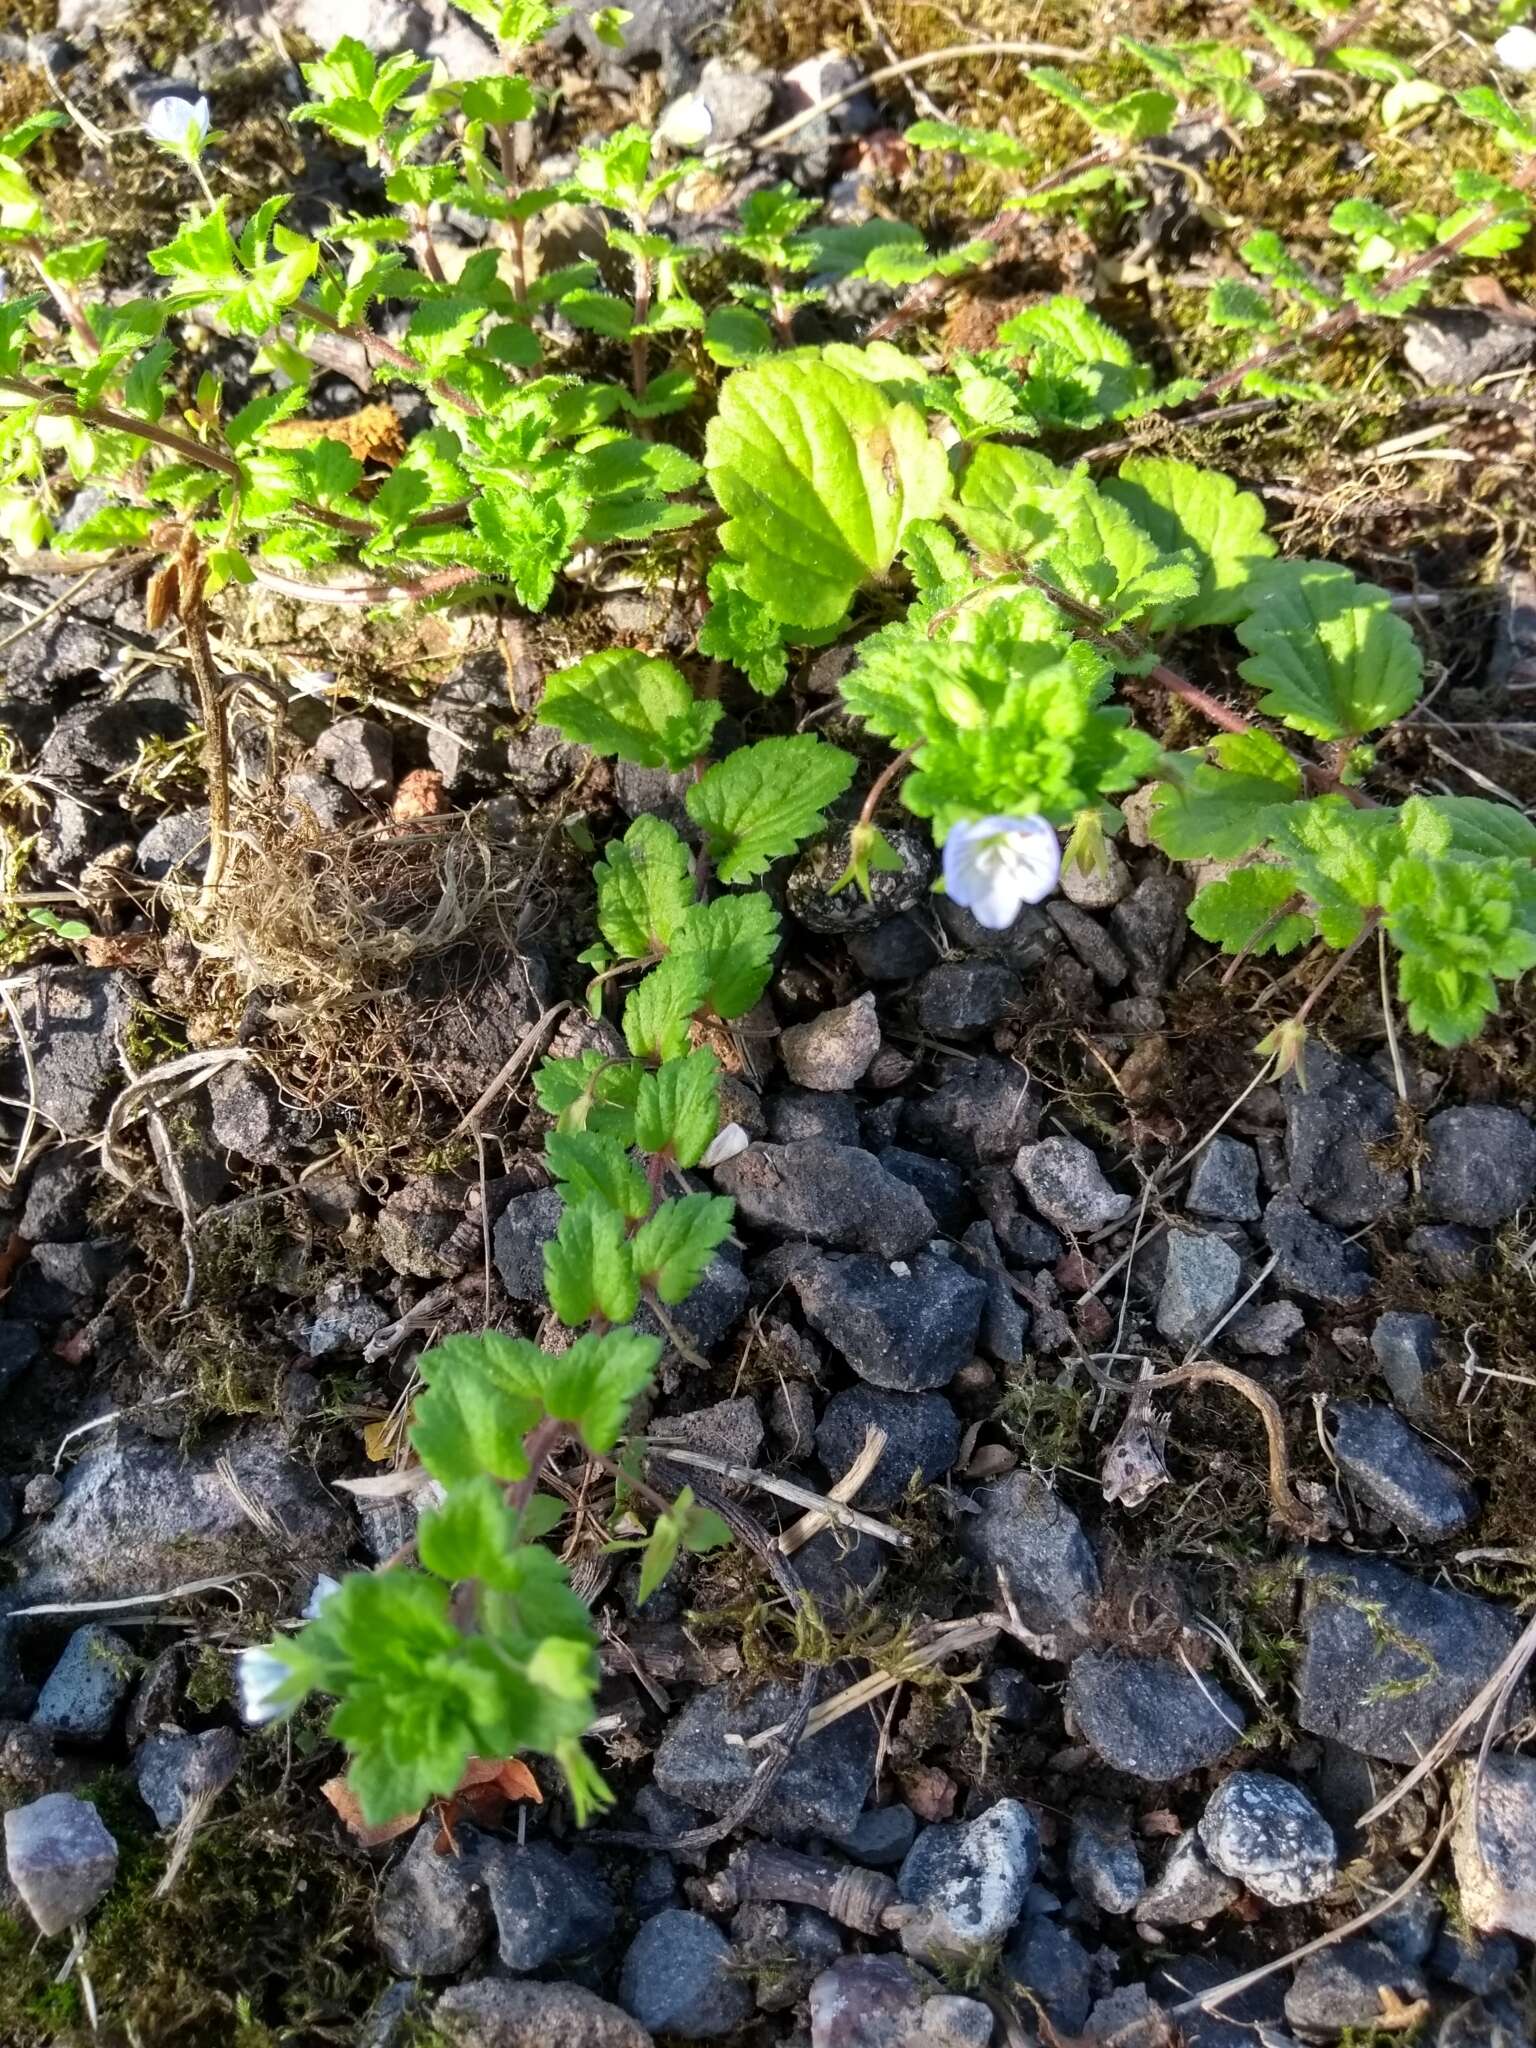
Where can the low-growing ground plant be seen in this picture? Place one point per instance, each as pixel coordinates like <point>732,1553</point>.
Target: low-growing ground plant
<point>965,522</point>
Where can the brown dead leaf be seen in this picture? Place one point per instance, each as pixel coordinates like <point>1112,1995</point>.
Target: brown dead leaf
<point>372,434</point>
<point>421,795</point>
<point>350,1814</point>
<point>929,1792</point>
<point>485,1792</point>
<point>381,1439</point>
<point>138,952</point>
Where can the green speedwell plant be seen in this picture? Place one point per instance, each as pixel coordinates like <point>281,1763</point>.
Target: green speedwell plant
<point>1001,583</point>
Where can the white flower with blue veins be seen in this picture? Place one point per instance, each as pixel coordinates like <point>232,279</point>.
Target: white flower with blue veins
<point>259,1679</point>
<point>178,124</point>
<point>994,866</point>
<point>325,1588</point>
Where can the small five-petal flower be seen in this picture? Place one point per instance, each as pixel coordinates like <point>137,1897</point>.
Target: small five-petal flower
<point>179,125</point>
<point>994,866</point>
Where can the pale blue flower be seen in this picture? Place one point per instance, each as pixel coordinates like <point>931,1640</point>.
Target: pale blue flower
<point>179,125</point>
<point>994,866</point>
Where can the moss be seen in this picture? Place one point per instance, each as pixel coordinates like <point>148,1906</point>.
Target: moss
<point>264,1939</point>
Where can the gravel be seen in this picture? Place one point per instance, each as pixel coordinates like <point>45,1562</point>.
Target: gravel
<point>1404,1346</point>
<point>1102,1860</point>
<point>359,753</point>
<point>1312,1258</point>
<point>1390,1466</point>
<point>923,1435</point>
<point>174,1770</point>
<point>75,1019</point>
<point>832,1194</point>
<point>1152,1718</point>
<point>1203,1278</point>
<point>546,1905</point>
<point>1389,1662</point>
<point>495,2014</point>
<point>961,999</point>
<point>60,1857</point>
<point>84,1690</point>
<point>1341,1986</point>
<point>1332,1127</point>
<point>907,1326</point>
<point>703,1762</point>
<point>833,1051</point>
<point>1480,1165</point>
<point>432,1915</point>
<point>1225,1182</point>
<point>968,1880</point>
<point>1189,1888</point>
<point>1064,1181</point>
<point>676,1978</point>
<point>1150,929</point>
<point>982,1111</point>
<point>1048,1962</point>
<point>1494,1845</point>
<point>1023,1528</point>
<point>1267,1833</point>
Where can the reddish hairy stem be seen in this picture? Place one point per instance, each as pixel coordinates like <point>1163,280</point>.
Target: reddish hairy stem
<point>882,783</point>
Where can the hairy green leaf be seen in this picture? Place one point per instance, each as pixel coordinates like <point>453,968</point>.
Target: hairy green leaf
<point>644,889</point>
<point>677,1112</point>
<point>672,1248</point>
<point>763,800</point>
<point>632,705</point>
<point>1256,910</point>
<point>1201,513</point>
<point>587,1268</point>
<point>819,475</point>
<point>1331,656</point>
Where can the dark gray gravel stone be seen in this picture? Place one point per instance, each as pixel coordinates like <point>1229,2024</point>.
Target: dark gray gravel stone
<point>1484,1964</point>
<point>1403,1345</point>
<point>881,1836</point>
<point>899,950</point>
<point>60,1857</point>
<point>981,1112</point>
<point>84,1690</point>
<point>1341,1986</point>
<point>245,1115</point>
<point>796,1113</point>
<point>1102,1861</point>
<point>969,1879</point>
<point>1225,1182</point>
<point>939,1181</point>
<point>314,803</point>
<point>59,1196</point>
<point>522,1230</point>
<point>137,1515</point>
<point>176,844</point>
<point>545,1905</point>
<point>1389,1661</point>
<point>822,1790</point>
<point>714,1308</point>
<point>1267,1329</point>
<point>1331,1126</point>
<point>360,754</point>
<point>493,2013</point>
<point>960,999</point>
<point>1188,1888</point>
<point>1023,1528</point>
<point>1090,942</point>
<point>1392,1468</point>
<point>819,908</point>
<point>831,1194</point>
<point>173,1770</point>
<point>923,1435</point>
<point>1447,1252</point>
<point>1460,345</point>
<point>1312,1257</point>
<point>1047,1961</point>
<point>1202,1279</point>
<point>75,1019</point>
<point>20,1347</point>
<point>676,1979</point>
<point>1481,1164</point>
<point>1064,1181</point>
<point>833,1051</point>
<point>1152,1718</point>
<point>1266,1832</point>
<point>907,1326</point>
<point>1150,928</point>
<point>432,1915</point>
<point>1005,1322</point>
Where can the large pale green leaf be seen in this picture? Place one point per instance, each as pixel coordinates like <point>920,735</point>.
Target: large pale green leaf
<point>630,704</point>
<point>1331,656</point>
<point>643,889</point>
<point>820,475</point>
<point>762,800</point>
<point>1202,513</point>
